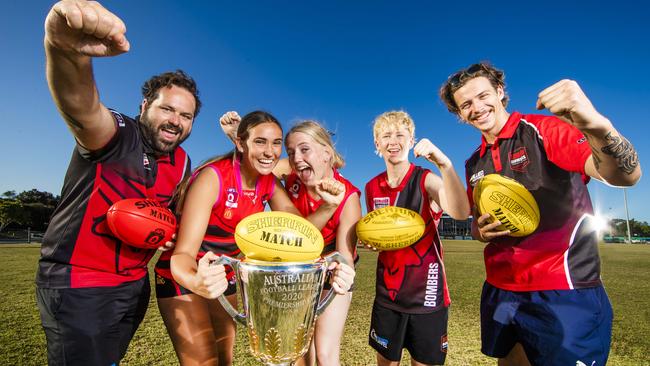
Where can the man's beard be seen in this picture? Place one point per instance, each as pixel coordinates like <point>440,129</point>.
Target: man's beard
<point>151,134</point>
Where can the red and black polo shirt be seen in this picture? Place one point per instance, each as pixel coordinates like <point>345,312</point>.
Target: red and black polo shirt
<point>78,248</point>
<point>548,157</point>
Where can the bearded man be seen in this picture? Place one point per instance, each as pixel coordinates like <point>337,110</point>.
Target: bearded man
<point>92,289</point>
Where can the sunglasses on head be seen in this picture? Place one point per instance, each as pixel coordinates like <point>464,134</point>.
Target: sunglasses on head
<point>455,79</point>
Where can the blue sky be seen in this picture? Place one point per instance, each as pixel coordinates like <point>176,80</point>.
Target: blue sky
<point>339,62</point>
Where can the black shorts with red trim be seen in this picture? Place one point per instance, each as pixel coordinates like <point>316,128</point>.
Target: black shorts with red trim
<point>423,335</point>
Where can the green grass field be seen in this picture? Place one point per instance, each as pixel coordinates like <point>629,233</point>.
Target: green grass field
<point>626,273</point>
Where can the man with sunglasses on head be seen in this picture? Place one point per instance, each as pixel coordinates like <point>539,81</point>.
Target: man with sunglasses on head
<point>543,302</point>
<point>92,289</point>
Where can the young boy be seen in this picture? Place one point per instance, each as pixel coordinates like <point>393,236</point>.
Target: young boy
<point>411,302</point>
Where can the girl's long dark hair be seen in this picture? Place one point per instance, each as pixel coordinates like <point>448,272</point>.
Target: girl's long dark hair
<point>248,122</point>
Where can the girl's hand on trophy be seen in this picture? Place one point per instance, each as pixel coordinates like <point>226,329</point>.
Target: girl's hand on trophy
<point>210,280</point>
<point>342,277</point>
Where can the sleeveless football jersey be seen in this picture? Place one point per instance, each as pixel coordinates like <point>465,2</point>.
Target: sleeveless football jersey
<point>412,279</point>
<point>547,156</point>
<point>78,248</point>
<point>232,205</point>
<point>307,205</point>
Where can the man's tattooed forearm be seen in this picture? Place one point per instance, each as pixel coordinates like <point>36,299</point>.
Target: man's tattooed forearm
<point>624,153</point>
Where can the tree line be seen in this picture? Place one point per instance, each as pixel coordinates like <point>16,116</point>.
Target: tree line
<point>27,209</point>
<point>33,209</point>
<point>618,227</point>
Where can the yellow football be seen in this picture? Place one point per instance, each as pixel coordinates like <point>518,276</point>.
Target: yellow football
<point>276,236</point>
<point>390,228</point>
<point>509,202</point>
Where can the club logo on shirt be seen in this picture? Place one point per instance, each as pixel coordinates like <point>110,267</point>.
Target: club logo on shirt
<point>379,202</point>
<point>476,177</point>
<point>295,187</point>
<point>231,198</point>
<point>518,159</point>
<point>145,161</point>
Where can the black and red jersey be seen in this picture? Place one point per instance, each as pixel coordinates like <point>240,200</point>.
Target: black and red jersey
<point>233,204</point>
<point>548,157</point>
<point>78,248</point>
<point>412,279</point>
<point>307,205</point>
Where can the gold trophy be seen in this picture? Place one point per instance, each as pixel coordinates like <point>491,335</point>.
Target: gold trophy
<point>281,303</point>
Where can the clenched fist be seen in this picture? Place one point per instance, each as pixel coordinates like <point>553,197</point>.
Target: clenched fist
<point>431,152</point>
<point>85,28</point>
<point>566,100</point>
<point>229,123</point>
<point>331,191</point>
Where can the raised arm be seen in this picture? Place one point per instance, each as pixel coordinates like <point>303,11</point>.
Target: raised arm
<point>447,192</point>
<point>76,31</point>
<point>613,159</point>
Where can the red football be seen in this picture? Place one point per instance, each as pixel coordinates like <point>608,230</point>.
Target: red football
<point>141,222</point>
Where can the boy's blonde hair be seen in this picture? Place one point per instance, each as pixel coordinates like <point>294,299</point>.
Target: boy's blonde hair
<point>390,119</point>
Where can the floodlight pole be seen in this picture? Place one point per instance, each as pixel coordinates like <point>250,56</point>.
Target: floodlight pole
<point>627,217</point>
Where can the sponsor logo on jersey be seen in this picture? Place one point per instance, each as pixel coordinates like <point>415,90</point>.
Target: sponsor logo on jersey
<point>251,195</point>
<point>231,197</point>
<point>518,159</point>
<point>118,118</point>
<point>476,177</point>
<point>431,293</point>
<point>227,214</point>
<point>380,341</point>
<point>379,202</point>
<point>581,141</point>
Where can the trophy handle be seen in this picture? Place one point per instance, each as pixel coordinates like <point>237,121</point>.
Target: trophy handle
<point>234,263</point>
<point>334,257</point>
